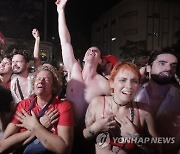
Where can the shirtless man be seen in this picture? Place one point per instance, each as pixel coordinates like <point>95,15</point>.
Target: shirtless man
<point>163,97</point>
<point>84,84</point>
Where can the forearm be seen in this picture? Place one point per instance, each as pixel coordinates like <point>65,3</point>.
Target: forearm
<point>50,141</point>
<point>62,27</point>
<point>14,140</point>
<point>37,59</point>
<point>90,131</point>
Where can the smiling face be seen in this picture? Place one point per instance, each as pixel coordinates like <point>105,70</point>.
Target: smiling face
<point>93,54</point>
<point>124,81</point>
<point>43,83</point>
<point>19,65</point>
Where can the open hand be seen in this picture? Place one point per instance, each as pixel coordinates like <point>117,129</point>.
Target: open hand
<point>49,118</point>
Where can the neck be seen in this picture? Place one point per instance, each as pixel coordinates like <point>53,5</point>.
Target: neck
<point>5,78</point>
<point>42,100</point>
<point>156,89</point>
<point>120,104</point>
<point>24,74</point>
<point>89,71</point>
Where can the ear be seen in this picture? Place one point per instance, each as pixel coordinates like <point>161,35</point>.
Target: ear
<point>100,61</point>
<point>111,86</point>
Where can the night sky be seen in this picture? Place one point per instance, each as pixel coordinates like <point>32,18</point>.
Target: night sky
<point>19,17</point>
<point>80,14</point>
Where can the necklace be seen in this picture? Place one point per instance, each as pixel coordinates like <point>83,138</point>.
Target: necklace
<point>131,109</point>
<point>120,104</point>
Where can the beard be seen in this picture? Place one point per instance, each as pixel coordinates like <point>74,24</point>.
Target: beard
<point>15,72</point>
<point>162,80</point>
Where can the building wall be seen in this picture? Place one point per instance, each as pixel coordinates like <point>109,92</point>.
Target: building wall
<point>151,22</point>
<point>46,48</point>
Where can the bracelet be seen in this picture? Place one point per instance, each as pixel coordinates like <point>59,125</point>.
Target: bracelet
<point>90,131</point>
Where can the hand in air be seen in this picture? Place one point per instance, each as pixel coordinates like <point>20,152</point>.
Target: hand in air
<point>35,33</point>
<point>60,4</point>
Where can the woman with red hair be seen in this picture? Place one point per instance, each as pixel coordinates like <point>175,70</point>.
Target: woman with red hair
<point>117,117</point>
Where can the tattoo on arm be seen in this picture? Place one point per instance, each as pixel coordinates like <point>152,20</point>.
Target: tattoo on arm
<point>88,117</point>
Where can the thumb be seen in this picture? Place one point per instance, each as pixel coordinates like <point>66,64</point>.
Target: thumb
<point>32,113</point>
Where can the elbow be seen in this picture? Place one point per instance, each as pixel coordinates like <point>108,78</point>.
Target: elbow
<point>65,150</point>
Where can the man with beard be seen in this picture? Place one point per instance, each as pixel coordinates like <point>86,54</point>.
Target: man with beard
<point>5,72</point>
<point>163,97</point>
<point>21,86</point>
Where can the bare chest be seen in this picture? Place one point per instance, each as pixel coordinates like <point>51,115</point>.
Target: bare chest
<point>23,87</point>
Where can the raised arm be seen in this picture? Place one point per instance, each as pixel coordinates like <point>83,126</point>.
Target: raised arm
<point>65,38</point>
<point>37,60</point>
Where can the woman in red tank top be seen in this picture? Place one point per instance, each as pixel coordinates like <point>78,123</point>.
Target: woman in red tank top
<point>118,123</point>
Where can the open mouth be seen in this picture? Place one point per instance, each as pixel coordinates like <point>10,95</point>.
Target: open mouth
<point>129,93</point>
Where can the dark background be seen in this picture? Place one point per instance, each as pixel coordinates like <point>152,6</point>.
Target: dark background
<point>80,14</point>
<point>19,17</point>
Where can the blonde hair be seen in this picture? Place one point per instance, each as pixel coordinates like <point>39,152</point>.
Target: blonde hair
<point>57,78</point>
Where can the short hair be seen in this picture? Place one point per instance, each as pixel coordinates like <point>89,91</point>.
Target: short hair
<point>24,53</point>
<point>57,78</point>
<point>154,55</point>
<point>124,66</point>
<point>8,56</point>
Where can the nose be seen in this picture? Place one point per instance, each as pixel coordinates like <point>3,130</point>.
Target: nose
<point>128,84</point>
<point>1,64</point>
<point>42,80</point>
<point>168,67</point>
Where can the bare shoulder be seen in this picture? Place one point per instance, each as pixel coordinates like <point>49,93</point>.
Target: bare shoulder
<point>93,109</point>
<point>103,84</point>
<point>97,101</point>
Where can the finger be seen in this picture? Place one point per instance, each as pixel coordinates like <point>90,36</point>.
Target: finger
<point>20,115</point>
<point>49,111</point>
<point>111,127</point>
<point>19,125</point>
<point>24,112</point>
<point>53,112</point>
<point>18,118</point>
<point>111,123</point>
<point>128,120</point>
<point>118,121</point>
<point>54,115</point>
<point>54,121</point>
<point>33,114</point>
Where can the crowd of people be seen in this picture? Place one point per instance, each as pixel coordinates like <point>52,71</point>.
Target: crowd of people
<point>104,107</point>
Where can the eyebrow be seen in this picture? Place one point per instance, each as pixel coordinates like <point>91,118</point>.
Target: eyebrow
<point>167,62</point>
